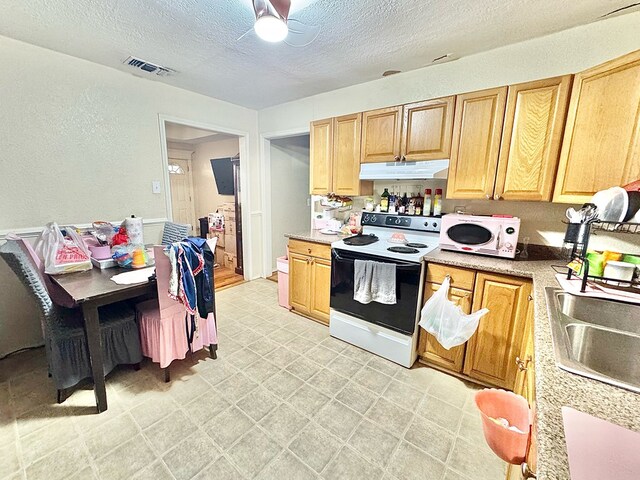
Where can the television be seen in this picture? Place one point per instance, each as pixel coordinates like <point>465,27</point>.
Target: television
<point>223,174</point>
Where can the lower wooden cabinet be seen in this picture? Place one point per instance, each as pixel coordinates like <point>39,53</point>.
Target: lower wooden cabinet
<point>490,354</point>
<point>429,348</point>
<point>309,279</point>
<point>320,289</point>
<point>299,282</point>
<point>492,350</point>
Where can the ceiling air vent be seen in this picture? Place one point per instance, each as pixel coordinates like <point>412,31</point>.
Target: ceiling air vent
<point>149,67</point>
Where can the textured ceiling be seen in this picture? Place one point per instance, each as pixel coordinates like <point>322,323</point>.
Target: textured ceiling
<point>359,39</point>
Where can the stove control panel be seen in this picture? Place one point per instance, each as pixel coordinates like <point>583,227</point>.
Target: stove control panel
<point>389,220</point>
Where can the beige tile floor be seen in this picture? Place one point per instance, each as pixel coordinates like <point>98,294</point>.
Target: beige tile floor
<point>283,400</point>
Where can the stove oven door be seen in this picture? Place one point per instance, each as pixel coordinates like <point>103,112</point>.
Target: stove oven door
<point>401,316</point>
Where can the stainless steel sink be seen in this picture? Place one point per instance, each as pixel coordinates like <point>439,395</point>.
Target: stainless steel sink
<point>596,338</point>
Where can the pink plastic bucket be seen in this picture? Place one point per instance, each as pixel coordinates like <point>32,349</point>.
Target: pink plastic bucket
<point>507,444</point>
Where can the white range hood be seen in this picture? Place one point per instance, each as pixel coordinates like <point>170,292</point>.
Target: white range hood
<point>404,170</point>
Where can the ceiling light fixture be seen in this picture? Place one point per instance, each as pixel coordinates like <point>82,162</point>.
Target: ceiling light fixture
<point>270,28</point>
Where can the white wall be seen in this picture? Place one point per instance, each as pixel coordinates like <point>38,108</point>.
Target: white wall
<point>207,198</point>
<point>557,54</point>
<point>289,191</point>
<point>81,142</point>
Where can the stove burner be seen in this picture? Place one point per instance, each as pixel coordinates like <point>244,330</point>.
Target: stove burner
<point>402,250</point>
<point>416,245</point>
<point>360,240</point>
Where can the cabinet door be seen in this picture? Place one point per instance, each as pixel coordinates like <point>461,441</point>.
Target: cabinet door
<point>531,138</point>
<point>299,282</point>
<point>601,145</point>
<point>477,128</point>
<point>381,130</point>
<point>321,142</point>
<point>429,348</point>
<point>320,289</point>
<point>346,154</point>
<point>492,350</point>
<point>427,128</point>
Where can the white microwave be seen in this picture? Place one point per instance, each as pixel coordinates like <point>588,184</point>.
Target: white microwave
<point>482,234</point>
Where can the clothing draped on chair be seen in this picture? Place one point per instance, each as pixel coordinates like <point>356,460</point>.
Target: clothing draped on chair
<point>63,330</point>
<point>163,332</point>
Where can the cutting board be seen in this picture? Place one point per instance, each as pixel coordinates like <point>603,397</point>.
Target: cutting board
<point>598,449</point>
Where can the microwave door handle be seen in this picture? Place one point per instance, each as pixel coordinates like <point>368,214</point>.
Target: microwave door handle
<point>499,237</point>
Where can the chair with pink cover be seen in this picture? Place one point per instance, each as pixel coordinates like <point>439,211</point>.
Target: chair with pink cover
<point>162,323</point>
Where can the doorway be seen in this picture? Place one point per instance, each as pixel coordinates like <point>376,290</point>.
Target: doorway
<point>289,159</point>
<point>203,168</point>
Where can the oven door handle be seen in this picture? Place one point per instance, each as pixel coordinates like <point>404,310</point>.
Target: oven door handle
<point>402,266</point>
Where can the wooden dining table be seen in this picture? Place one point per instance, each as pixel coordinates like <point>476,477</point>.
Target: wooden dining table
<point>91,290</point>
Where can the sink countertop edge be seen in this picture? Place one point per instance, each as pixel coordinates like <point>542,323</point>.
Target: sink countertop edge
<point>555,388</point>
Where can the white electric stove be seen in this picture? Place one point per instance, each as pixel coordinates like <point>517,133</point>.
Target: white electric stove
<point>390,331</point>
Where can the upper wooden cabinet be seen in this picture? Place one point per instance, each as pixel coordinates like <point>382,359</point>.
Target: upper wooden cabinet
<point>321,154</point>
<point>346,154</point>
<point>601,146</point>
<point>492,350</point>
<point>531,138</point>
<point>381,131</point>
<point>477,130</point>
<point>335,157</point>
<point>426,129</point>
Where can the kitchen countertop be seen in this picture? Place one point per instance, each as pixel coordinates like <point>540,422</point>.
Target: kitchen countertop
<point>555,388</point>
<point>314,236</point>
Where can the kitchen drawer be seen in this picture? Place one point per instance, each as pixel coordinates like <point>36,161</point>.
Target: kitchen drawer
<point>319,250</point>
<point>462,278</point>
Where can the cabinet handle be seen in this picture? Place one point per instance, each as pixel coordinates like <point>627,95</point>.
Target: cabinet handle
<point>530,297</point>
<point>397,158</point>
<point>526,471</point>
<point>487,196</point>
<point>497,197</point>
<point>523,364</point>
<point>309,250</point>
<point>404,159</point>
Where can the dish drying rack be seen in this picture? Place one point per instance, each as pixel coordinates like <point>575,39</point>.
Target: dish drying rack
<point>578,235</point>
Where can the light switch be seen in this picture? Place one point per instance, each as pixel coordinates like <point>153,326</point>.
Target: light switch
<point>155,186</point>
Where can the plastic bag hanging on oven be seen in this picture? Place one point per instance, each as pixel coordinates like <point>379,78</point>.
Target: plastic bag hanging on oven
<point>446,321</point>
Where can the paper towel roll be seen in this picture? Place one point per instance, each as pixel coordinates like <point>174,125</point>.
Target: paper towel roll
<point>134,230</point>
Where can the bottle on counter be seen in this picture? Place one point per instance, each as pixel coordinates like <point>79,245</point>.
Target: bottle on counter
<point>437,203</point>
<point>411,208</point>
<point>384,201</point>
<point>426,204</point>
<point>419,203</point>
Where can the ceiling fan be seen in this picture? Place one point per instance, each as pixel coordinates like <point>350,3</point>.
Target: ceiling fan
<point>274,25</point>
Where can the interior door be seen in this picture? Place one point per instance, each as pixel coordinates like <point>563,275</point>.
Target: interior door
<point>181,184</point>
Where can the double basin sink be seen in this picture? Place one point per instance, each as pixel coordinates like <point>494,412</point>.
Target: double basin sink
<point>596,338</point>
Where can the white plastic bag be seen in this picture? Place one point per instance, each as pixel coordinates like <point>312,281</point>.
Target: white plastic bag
<point>62,254</point>
<point>446,321</point>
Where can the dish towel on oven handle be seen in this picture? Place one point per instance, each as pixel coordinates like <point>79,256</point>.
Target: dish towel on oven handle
<point>374,282</point>
<point>446,321</point>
